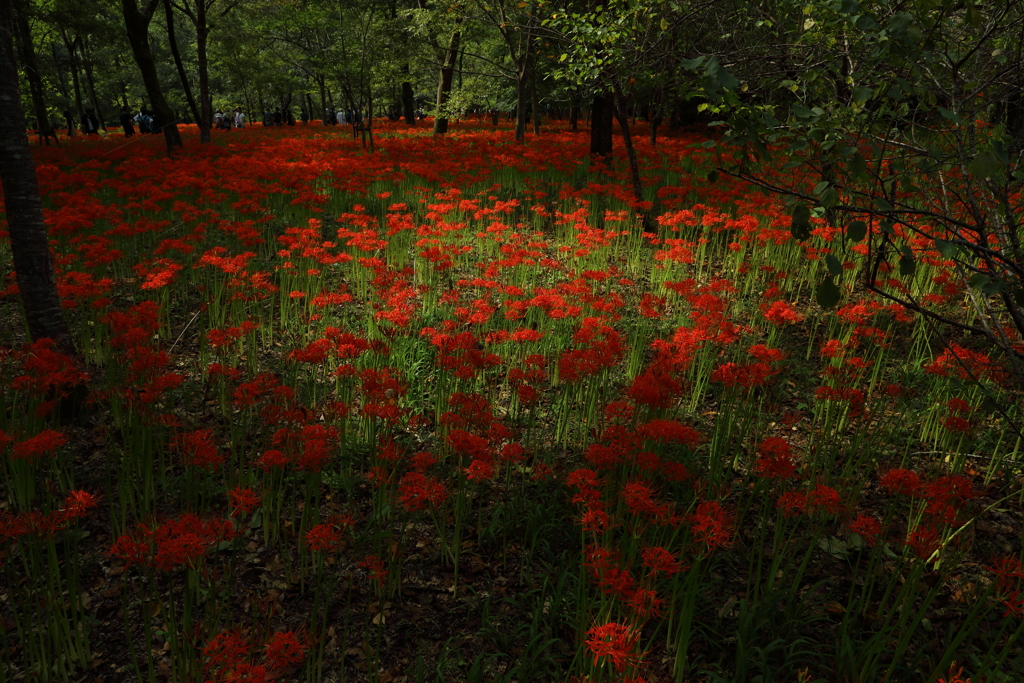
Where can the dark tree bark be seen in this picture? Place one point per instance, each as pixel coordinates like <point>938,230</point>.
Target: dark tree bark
<point>408,103</point>
<point>444,83</point>
<point>30,249</point>
<point>87,67</point>
<point>27,53</point>
<point>182,76</point>
<point>136,23</point>
<point>622,114</point>
<point>574,117</point>
<point>601,114</point>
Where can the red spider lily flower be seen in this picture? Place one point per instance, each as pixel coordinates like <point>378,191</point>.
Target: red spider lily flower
<point>78,504</point>
<point>824,498</point>
<point>226,650</point>
<point>868,528</point>
<point>640,500</point>
<point>285,649</point>
<point>670,431</point>
<point>711,525</point>
<point>644,603</point>
<point>775,461</point>
<point>596,521</point>
<point>271,459</point>
<point>781,313</point>
<point>617,642</point>
<point>242,501</point>
<point>792,503</point>
<point>45,442</point>
<point>423,461</point>
<point>480,469</point>
<point>375,566</point>
<point>416,491</point>
<point>954,677</point>
<point>924,541</point>
<point>658,559</point>
<point>200,450</point>
<point>901,482</point>
<point>179,541</point>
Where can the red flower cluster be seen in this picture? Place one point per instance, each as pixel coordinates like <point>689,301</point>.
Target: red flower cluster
<point>180,541</point>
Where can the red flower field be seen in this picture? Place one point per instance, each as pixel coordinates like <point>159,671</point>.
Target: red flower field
<point>445,412</point>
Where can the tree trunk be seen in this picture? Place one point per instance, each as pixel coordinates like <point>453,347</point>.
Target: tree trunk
<point>574,117</point>
<point>182,76</point>
<point>533,94</point>
<point>634,167</point>
<point>30,65</point>
<point>87,67</point>
<point>444,83</point>
<point>206,101</point>
<point>70,45</point>
<point>601,113</point>
<point>30,249</point>
<point>521,77</point>
<point>408,103</point>
<point>137,26</point>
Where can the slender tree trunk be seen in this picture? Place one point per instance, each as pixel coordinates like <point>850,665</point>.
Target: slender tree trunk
<point>202,37</point>
<point>601,126</point>
<point>71,47</point>
<point>444,83</point>
<point>533,94</point>
<point>622,114</point>
<point>30,249</point>
<point>30,65</point>
<point>87,67</point>
<point>182,76</point>
<point>408,103</point>
<point>321,82</point>
<point>137,26</point>
<point>574,117</point>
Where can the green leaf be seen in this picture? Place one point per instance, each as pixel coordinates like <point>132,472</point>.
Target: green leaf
<point>951,116</point>
<point>712,177</point>
<point>978,280</point>
<point>866,23</point>
<point>861,95</point>
<point>827,294</point>
<point>850,7</point>
<point>857,230</point>
<point>859,167</point>
<point>947,249</point>
<point>692,63</point>
<point>907,263</point>
<point>821,187</point>
<point>830,197</point>
<point>833,265</point>
<point>882,204</point>
<point>986,165</point>
<point>801,225</point>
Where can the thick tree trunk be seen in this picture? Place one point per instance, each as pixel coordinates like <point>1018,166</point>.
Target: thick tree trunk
<point>30,65</point>
<point>444,83</point>
<point>205,100</point>
<point>30,249</point>
<point>137,26</point>
<point>601,126</point>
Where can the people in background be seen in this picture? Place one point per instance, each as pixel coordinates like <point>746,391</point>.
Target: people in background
<point>90,124</point>
<point>126,121</point>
